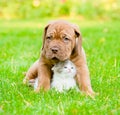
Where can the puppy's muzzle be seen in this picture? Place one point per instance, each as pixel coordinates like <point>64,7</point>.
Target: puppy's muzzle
<point>54,49</point>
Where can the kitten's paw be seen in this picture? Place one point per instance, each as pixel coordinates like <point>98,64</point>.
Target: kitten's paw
<point>31,82</point>
<point>59,89</point>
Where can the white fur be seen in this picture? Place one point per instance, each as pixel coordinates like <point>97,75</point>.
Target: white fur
<point>61,82</point>
<point>36,83</point>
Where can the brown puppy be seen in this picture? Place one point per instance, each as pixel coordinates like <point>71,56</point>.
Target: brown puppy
<point>61,41</point>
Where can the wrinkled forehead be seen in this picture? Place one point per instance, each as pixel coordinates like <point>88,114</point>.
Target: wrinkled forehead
<point>61,28</point>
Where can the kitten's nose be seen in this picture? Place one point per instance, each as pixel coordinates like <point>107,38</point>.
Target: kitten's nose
<point>54,49</point>
<point>69,70</point>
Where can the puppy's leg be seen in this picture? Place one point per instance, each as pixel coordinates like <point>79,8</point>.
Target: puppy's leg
<point>83,81</point>
<point>44,76</point>
<point>83,78</point>
<point>32,72</point>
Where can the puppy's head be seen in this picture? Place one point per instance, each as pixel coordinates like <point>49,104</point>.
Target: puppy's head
<point>59,40</point>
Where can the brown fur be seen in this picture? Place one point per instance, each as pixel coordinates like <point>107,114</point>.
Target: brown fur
<point>66,38</point>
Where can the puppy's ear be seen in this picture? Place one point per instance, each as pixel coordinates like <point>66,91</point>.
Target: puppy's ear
<point>44,34</point>
<point>78,44</point>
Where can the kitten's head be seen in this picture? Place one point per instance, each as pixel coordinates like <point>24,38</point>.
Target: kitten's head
<point>66,67</point>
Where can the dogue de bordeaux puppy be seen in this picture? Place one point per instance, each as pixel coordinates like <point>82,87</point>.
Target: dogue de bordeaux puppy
<point>61,40</point>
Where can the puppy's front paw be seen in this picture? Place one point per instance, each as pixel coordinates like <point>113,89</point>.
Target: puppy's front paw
<point>37,90</point>
<point>88,91</point>
<point>92,94</point>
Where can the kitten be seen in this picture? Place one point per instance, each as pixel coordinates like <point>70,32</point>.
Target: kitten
<point>63,76</point>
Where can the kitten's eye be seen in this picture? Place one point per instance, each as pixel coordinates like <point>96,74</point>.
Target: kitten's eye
<point>71,67</point>
<point>65,67</point>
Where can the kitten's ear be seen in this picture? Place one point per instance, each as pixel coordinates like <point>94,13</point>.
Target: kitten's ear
<point>53,68</point>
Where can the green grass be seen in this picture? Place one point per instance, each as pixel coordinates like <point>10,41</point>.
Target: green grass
<point>20,43</point>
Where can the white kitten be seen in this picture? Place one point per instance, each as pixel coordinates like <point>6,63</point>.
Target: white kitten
<point>63,76</point>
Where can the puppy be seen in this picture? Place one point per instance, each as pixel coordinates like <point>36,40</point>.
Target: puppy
<point>61,41</point>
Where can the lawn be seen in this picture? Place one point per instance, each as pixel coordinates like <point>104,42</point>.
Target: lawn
<point>20,43</point>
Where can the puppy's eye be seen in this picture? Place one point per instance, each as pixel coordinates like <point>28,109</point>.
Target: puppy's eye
<point>66,39</point>
<point>49,37</point>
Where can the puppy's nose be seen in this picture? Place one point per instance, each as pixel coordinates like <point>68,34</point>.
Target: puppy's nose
<point>54,49</point>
